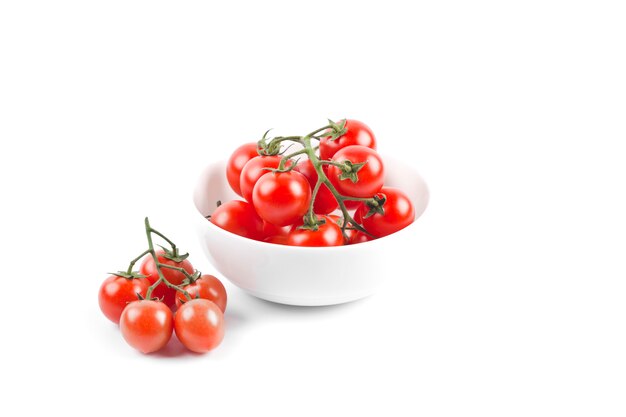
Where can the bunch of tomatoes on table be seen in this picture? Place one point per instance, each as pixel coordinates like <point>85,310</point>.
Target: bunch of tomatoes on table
<point>328,192</point>
<point>167,295</point>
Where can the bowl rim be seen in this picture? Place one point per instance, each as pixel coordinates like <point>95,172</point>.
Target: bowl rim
<point>263,244</point>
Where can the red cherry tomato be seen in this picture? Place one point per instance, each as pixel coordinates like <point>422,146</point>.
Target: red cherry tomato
<point>328,234</point>
<point>253,170</point>
<point>235,164</point>
<point>325,201</point>
<point>116,292</point>
<point>174,277</point>
<point>371,176</point>
<point>358,133</point>
<point>240,218</point>
<point>399,213</point>
<point>281,198</point>
<point>146,325</point>
<point>199,325</point>
<point>207,287</point>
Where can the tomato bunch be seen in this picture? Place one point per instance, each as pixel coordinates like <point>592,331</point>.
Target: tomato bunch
<point>167,295</point>
<point>291,201</point>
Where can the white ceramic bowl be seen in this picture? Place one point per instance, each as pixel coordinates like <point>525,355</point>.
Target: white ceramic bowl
<point>302,275</point>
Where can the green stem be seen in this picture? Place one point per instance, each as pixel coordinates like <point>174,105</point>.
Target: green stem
<point>172,244</point>
<point>287,157</point>
<point>179,269</point>
<point>364,199</point>
<point>159,265</point>
<point>334,163</point>
<point>134,261</point>
<point>323,179</point>
<point>315,132</point>
<point>310,214</point>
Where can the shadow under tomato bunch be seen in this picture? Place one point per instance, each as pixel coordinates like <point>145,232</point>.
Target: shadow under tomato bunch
<point>166,296</point>
<point>290,202</point>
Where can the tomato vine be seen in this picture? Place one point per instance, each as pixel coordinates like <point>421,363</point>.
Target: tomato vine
<point>349,170</point>
<point>172,254</point>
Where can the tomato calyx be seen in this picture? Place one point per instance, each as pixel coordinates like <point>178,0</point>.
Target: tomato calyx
<point>128,275</point>
<point>349,170</point>
<point>311,222</point>
<point>192,278</point>
<point>337,129</point>
<point>376,205</point>
<point>265,148</point>
<point>141,297</point>
<point>173,254</point>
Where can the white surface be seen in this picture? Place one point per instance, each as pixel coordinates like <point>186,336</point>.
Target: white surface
<point>514,113</point>
<point>295,275</point>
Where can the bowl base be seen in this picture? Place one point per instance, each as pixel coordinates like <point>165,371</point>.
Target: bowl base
<point>306,302</point>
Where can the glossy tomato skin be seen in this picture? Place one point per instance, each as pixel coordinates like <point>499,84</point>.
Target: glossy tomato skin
<point>328,234</point>
<point>148,269</point>
<point>236,162</point>
<point>325,201</point>
<point>399,213</point>
<point>147,325</point>
<point>116,292</point>
<point>281,198</point>
<point>270,230</point>
<point>370,177</point>
<point>358,133</point>
<point>240,218</point>
<point>253,170</point>
<point>199,325</point>
<point>207,287</point>
<point>339,221</point>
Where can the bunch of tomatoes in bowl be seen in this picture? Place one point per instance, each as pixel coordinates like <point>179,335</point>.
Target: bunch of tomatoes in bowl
<point>167,295</point>
<point>326,188</point>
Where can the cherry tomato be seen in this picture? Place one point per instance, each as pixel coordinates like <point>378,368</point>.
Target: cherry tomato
<point>281,198</point>
<point>328,234</point>
<point>116,292</point>
<point>235,164</point>
<point>240,218</point>
<point>399,213</point>
<point>325,201</point>
<point>146,325</point>
<point>199,325</point>
<point>371,176</point>
<point>207,287</point>
<point>174,277</point>
<point>358,133</point>
<point>253,170</point>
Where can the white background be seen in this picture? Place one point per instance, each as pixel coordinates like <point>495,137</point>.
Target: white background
<point>513,302</point>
